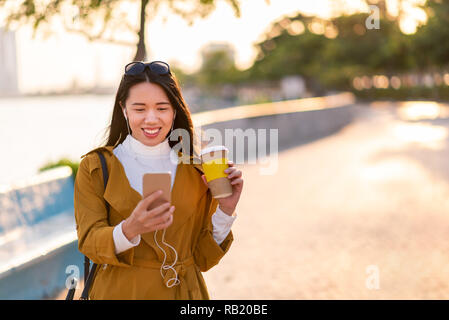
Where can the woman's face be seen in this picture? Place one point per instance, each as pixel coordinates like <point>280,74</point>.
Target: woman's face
<point>148,109</point>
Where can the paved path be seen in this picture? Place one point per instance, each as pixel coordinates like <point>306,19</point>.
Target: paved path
<point>372,197</point>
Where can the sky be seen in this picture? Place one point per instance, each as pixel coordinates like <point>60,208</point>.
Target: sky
<point>65,59</point>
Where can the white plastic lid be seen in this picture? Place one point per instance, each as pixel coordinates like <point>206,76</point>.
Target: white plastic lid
<point>213,148</point>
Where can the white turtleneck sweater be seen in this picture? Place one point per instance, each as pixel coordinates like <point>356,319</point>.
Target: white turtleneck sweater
<point>156,159</point>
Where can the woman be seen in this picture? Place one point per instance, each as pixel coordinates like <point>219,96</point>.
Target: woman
<point>195,227</point>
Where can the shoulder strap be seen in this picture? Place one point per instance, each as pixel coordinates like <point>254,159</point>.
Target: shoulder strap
<point>89,274</point>
<point>105,173</point>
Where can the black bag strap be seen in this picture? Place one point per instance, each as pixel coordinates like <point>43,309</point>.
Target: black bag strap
<point>86,268</point>
<point>90,274</point>
<point>71,291</point>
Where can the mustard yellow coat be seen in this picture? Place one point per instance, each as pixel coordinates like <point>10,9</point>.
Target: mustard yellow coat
<point>135,273</point>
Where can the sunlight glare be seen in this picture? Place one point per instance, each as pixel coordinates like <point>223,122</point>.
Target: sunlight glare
<point>430,136</point>
<point>419,110</point>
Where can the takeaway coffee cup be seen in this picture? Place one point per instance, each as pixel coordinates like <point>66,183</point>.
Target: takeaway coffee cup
<point>214,161</point>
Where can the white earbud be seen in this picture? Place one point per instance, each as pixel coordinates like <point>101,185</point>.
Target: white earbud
<point>123,109</point>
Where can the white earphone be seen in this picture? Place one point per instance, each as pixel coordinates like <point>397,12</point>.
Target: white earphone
<point>123,109</point>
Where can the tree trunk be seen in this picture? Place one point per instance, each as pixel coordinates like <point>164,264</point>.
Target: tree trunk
<point>141,53</point>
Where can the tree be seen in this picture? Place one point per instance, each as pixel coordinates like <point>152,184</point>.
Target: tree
<point>99,20</point>
<point>290,48</point>
<point>330,53</point>
<point>431,40</point>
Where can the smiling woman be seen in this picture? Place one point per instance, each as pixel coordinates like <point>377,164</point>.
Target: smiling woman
<point>112,216</point>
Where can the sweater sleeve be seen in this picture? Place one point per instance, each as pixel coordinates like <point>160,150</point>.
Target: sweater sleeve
<point>121,243</point>
<point>222,224</point>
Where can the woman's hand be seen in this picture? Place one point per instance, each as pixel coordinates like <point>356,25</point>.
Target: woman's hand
<point>142,220</point>
<point>228,204</point>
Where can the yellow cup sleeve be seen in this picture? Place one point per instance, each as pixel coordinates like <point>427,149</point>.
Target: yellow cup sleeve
<point>214,169</point>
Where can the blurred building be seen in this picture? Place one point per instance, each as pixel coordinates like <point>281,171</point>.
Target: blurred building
<point>293,87</point>
<point>8,63</point>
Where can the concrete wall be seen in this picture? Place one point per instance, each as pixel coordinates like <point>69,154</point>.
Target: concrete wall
<point>38,237</point>
<point>296,122</point>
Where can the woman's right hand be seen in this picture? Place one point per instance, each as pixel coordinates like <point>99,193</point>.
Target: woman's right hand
<point>142,220</point>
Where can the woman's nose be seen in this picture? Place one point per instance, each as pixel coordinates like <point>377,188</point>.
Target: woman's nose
<point>151,116</point>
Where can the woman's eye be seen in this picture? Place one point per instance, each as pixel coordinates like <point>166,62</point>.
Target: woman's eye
<point>162,109</point>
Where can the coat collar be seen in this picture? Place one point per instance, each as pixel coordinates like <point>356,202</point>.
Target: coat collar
<point>123,198</point>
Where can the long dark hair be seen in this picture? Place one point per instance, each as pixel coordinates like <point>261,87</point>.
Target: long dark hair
<point>117,131</point>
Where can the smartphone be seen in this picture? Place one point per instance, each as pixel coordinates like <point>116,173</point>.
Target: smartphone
<point>152,182</point>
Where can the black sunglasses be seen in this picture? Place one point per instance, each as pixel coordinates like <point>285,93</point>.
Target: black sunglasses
<point>137,67</point>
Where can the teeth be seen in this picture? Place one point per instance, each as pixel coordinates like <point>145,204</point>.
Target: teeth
<point>151,131</point>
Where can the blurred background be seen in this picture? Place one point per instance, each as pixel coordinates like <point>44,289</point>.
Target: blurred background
<point>356,89</point>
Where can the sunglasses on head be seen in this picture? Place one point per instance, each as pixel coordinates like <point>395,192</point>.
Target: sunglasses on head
<point>137,67</point>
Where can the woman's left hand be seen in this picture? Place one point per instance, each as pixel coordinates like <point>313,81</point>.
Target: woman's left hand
<point>228,204</point>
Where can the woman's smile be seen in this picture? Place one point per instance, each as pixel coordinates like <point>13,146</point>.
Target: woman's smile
<point>151,133</point>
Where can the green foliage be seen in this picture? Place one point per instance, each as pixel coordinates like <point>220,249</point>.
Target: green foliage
<point>183,78</point>
<point>330,53</point>
<point>344,49</point>
<point>217,68</point>
<point>287,55</point>
<point>63,162</point>
<point>431,41</point>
